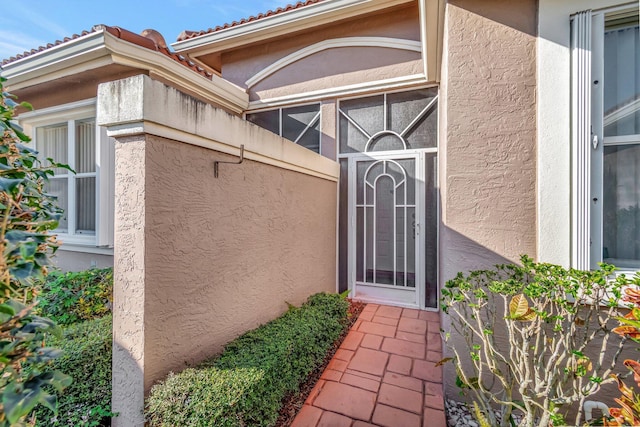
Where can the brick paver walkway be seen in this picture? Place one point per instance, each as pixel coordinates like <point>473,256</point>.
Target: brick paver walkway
<point>384,374</point>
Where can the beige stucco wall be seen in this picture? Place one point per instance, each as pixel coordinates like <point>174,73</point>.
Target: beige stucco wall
<point>487,137</point>
<point>338,67</point>
<point>72,88</point>
<point>198,259</point>
<point>333,67</point>
<point>488,133</point>
<point>225,255</point>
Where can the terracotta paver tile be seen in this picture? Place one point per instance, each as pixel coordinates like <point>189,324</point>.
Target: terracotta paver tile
<point>404,348</point>
<point>433,327</point>
<point>377,378</point>
<point>434,342</point>
<point>352,340</point>
<point>331,375</point>
<point>342,354</point>
<point>434,356</point>
<point>366,315</point>
<point>385,320</point>
<point>429,316</point>
<point>410,313</point>
<point>435,402</point>
<point>361,382</point>
<point>386,311</point>
<point>369,361</point>
<point>370,308</point>
<point>415,326</point>
<point>314,392</point>
<point>346,400</point>
<point>434,418</point>
<point>403,381</point>
<point>377,329</point>
<point>427,371</point>
<point>371,341</point>
<point>307,417</point>
<point>331,419</point>
<point>363,424</point>
<point>434,389</point>
<point>387,416</point>
<point>399,397</point>
<point>357,324</point>
<point>408,336</point>
<point>337,365</point>
<point>399,364</point>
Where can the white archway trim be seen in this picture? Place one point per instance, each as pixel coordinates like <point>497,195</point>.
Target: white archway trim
<point>387,42</point>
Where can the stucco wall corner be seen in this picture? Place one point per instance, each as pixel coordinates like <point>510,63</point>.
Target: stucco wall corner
<point>121,101</point>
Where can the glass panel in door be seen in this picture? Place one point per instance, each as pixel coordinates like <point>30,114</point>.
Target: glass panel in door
<point>385,238</point>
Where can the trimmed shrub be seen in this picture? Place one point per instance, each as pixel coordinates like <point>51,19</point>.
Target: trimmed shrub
<point>247,383</point>
<point>87,359</point>
<point>74,297</point>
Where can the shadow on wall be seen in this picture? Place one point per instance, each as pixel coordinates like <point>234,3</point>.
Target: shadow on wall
<point>515,14</point>
<point>129,400</point>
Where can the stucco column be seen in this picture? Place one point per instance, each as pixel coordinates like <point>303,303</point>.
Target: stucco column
<point>487,137</point>
<point>129,294</point>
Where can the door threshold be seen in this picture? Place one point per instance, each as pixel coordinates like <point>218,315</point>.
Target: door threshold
<point>370,300</point>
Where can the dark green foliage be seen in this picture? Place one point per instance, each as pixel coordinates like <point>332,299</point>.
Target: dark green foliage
<point>73,297</point>
<point>27,214</point>
<point>86,358</point>
<point>246,384</point>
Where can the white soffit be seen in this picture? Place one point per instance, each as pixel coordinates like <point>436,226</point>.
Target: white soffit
<point>99,49</point>
<point>323,13</point>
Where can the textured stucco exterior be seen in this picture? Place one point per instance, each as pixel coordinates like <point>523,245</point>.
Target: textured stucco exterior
<point>333,67</point>
<point>488,134</point>
<point>225,255</point>
<point>487,137</point>
<point>199,259</point>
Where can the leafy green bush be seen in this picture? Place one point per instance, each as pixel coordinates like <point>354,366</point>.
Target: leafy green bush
<point>87,359</point>
<point>27,214</point>
<point>246,384</point>
<point>73,297</point>
<point>525,334</point>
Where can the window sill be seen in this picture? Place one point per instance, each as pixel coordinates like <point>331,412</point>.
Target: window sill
<point>88,249</point>
<point>85,244</point>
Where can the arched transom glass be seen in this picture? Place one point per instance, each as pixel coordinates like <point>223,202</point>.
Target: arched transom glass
<point>389,122</point>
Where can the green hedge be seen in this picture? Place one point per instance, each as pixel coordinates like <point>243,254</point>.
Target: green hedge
<point>87,359</point>
<point>245,386</point>
<point>73,297</point>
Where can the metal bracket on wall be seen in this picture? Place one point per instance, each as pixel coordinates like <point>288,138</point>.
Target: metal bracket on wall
<point>217,163</point>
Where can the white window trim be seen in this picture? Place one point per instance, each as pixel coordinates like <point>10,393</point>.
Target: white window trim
<point>69,113</point>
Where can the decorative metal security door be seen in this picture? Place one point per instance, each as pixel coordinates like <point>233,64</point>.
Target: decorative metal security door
<point>385,214</point>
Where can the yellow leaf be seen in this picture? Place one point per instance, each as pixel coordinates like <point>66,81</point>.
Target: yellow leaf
<point>443,361</point>
<point>518,306</point>
<point>529,316</point>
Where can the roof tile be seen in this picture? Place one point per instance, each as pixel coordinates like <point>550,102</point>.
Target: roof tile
<point>149,39</point>
<point>188,34</point>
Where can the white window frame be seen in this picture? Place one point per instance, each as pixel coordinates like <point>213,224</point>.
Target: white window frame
<point>317,119</point>
<point>588,139</point>
<point>105,169</point>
